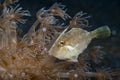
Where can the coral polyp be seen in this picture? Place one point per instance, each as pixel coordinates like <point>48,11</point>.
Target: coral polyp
<point>28,58</point>
<point>15,14</point>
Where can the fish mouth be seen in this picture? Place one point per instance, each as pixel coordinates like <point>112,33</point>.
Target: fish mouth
<point>52,52</point>
<point>49,52</point>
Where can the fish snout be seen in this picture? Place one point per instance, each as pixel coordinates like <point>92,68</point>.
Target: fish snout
<point>50,52</point>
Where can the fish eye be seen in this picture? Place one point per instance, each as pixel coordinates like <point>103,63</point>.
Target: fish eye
<point>62,43</point>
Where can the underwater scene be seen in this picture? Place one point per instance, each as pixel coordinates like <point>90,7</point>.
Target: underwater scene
<point>59,40</point>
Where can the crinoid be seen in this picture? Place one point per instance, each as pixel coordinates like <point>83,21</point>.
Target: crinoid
<point>28,58</point>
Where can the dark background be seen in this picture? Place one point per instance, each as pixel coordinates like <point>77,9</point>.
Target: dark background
<point>102,12</point>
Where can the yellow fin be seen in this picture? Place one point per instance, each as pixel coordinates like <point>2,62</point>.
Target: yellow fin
<point>101,32</point>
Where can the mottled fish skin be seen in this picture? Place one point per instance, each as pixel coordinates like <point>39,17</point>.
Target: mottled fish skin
<point>70,44</point>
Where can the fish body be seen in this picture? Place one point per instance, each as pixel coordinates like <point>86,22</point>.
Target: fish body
<point>70,44</point>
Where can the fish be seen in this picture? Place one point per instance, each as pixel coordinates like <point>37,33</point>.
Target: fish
<point>71,43</point>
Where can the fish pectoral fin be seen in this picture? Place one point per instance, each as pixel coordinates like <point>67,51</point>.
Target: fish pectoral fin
<point>70,48</point>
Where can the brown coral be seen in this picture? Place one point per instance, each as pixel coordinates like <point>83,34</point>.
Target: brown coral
<point>30,60</point>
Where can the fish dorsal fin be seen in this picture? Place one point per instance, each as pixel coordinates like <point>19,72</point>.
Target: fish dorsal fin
<point>62,33</point>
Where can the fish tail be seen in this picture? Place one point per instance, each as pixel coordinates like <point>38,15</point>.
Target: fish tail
<point>101,32</point>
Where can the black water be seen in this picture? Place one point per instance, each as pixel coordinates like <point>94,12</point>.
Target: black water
<point>102,12</point>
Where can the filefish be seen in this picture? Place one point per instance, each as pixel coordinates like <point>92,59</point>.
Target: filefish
<point>71,43</point>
